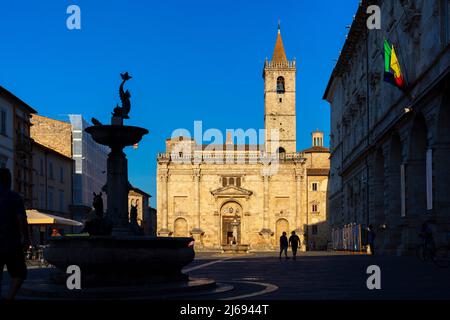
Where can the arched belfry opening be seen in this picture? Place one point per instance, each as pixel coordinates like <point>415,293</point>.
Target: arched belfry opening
<point>281,86</point>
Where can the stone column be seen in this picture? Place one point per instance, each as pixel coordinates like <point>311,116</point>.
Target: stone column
<point>266,203</point>
<point>305,217</point>
<point>197,232</point>
<point>298,198</point>
<point>165,232</point>
<point>266,233</point>
<point>298,207</point>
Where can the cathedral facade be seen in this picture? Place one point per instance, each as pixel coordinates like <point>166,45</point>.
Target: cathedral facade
<point>250,194</point>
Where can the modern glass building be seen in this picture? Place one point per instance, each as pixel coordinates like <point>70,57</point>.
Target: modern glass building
<point>90,163</point>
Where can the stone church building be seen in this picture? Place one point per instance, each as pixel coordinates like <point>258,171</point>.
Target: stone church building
<point>245,202</point>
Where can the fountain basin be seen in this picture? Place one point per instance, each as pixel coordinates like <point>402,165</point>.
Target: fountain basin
<point>115,135</point>
<point>115,261</point>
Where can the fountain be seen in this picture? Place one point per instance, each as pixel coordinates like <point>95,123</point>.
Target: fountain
<point>119,260</point>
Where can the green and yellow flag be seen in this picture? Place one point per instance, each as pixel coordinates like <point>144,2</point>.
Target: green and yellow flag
<point>392,70</point>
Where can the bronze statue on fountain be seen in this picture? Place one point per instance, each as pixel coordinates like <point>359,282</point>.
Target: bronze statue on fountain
<point>98,225</point>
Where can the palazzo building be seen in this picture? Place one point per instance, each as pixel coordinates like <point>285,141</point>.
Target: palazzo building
<point>244,201</point>
<point>390,148</point>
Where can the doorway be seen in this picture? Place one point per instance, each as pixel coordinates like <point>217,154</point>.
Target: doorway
<point>231,223</point>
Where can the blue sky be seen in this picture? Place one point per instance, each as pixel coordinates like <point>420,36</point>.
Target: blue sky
<point>190,60</point>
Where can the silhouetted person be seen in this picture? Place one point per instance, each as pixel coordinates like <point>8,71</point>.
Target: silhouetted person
<point>284,244</point>
<point>14,238</point>
<point>55,233</point>
<point>294,241</point>
<point>371,239</point>
<point>426,233</point>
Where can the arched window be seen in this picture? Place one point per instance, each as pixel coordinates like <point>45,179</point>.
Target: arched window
<point>280,85</point>
<point>281,153</point>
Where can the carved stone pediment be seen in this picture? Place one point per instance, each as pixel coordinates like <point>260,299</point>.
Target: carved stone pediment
<point>231,192</point>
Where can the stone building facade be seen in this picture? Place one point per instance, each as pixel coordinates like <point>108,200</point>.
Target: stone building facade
<point>16,144</point>
<point>52,188</point>
<point>240,200</point>
<point>52,178</point>
<point>390,149</point>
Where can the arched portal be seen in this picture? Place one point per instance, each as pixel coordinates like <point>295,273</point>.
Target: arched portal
<point>231,213</point>
<point>282,225</point>
<point>378,194</point>
<point>395,163</point>
<point>180,228</point>
<point>416,178</point>
<point>441,159</point>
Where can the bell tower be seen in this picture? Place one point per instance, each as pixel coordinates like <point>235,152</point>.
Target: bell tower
<point>279,101</point>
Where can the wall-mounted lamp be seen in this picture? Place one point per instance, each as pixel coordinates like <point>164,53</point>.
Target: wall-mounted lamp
<point>408,110</point>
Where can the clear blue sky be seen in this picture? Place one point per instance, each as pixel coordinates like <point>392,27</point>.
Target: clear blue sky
<point>190,60</point>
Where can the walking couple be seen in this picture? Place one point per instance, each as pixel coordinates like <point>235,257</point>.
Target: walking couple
<point>294,242</point>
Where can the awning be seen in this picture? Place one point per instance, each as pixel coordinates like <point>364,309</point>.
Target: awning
<point>36,217</point>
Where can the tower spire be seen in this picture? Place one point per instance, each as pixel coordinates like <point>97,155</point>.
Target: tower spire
<point>279,55</point>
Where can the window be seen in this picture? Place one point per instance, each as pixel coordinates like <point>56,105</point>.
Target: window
<point>281,100</point>
<point>50,199</point>
<point>42,196</point>
<point>61,174</point>
<point>446,19</point>
<point>61,201</point>
<point>315,186</point>
<point>3,122</point>
<point>41,167</point>
<point>231,181</point>
<point>50,170</point>
<point>315,208</point>
<point>317,142</point>
<point>280,85</point>
<point>3,161</point>
<point>315,230</point>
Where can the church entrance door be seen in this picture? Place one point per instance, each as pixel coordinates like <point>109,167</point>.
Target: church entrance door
<point>231,223</point>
